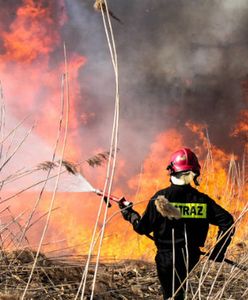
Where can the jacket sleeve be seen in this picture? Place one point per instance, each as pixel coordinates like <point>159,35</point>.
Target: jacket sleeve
<point>144,224</point>
<point>223,219</point>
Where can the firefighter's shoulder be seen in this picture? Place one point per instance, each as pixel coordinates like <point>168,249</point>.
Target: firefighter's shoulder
<point>162,192</point>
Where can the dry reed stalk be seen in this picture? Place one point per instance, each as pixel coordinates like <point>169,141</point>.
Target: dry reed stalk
<point>109,219</point>
<point>4,209</point>
<point>70,167</point>
<point>19,240</point>
<point>186,261</point>
<point>17,175</point>
<point>10,237</point>
<point>114,137</point>
<point>244,295</point>
<point>13,131</point>
<point>16,149</point>
<point>173,262</point>
<point>98,159</point>
<point>204,276</point>
<point>219,289</point>
<point>111,162</point>
<point>53,242</point>
<point>26,229</point>
<point>20,231</point>
<point>233,188</point>
<point>208,165</point>
<point>67,105</point>
<point>49,170</point>
<point>2,119</point>
<point>231,278</point>
<point>3,139</point>
<point>198,293</point>
<point>65,248</point>
<point>56,289</point>
<point>40,218</point>
<point>100,5</point>
<point>215,279</point>
<point>12,222</point>
<point>25,189</point>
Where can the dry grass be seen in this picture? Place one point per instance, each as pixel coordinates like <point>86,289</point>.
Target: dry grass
<point>59,279</point>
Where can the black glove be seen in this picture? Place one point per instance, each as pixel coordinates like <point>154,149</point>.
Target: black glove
<point>126,208</point>
<point>217,255</point>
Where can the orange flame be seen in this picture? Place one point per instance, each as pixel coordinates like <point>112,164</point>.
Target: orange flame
<point>222,185</point>
<point>35,86</point>
<point>30,34</point>
<point>241,128</point>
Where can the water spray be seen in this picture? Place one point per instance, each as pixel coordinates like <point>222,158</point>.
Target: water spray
<point>79,182</point>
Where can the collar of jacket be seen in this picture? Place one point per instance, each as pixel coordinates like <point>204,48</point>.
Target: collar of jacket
<point>181,187</point>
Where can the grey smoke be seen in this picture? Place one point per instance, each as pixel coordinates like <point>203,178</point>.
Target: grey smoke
<point>189,57</point>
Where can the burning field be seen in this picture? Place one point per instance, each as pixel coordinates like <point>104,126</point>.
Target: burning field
<point>80,113</point>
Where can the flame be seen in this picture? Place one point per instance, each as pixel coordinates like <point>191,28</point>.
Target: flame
<point>241,128</point>
<point>153,176</point>
<point>32,77</point>
<point>219,180</point>
<point>30,34</point>
<point>29,46</point>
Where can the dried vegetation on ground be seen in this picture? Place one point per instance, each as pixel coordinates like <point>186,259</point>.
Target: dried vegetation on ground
<point>59,278</point>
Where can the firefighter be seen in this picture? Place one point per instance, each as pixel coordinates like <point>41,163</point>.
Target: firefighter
<point>179,218</point>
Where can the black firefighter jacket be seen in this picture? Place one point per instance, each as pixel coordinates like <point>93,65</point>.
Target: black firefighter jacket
<point>197,211</point>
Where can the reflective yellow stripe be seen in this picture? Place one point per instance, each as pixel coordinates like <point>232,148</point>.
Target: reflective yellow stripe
<point>192,210</point>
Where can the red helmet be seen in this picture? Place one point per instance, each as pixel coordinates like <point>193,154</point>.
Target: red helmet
<point>184,160</point>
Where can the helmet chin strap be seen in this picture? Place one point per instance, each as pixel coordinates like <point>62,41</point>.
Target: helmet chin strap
<point>184,178</point>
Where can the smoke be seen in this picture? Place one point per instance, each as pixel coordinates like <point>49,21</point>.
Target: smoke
<point>179,61</point>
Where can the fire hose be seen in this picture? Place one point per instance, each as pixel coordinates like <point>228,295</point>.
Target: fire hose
<point>127,203</point>
<point>110,197</point>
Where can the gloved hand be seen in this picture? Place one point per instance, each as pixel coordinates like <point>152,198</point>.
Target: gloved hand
<point>126,208</point>
<point>217,255</point>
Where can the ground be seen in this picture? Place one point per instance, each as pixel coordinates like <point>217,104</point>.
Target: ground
<point>59,278</point>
